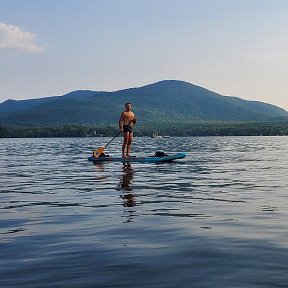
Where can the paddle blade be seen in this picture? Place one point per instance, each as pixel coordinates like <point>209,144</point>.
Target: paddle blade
<point>98,152</point>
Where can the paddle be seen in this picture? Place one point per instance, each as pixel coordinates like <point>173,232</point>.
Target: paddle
<point>99,151</point>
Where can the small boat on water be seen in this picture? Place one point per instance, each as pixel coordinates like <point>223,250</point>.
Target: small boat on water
<point>155,135</point>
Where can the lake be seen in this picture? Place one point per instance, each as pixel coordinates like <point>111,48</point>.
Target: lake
<point>217,218</point>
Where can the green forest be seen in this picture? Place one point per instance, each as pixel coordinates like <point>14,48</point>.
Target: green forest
<point>205,128</point>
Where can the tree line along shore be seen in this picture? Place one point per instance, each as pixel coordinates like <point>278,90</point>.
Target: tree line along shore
<point>209,128</point>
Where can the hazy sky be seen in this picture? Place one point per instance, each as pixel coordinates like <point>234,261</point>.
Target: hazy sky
<point>233,47</point>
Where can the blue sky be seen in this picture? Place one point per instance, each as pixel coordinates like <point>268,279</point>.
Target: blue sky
<point>233,47</point>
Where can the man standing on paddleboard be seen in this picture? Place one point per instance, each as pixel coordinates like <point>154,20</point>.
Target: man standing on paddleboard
<point>126,123</point>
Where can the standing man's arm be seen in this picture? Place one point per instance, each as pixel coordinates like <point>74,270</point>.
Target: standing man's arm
<point>134,120</point>
<point>121,120</point>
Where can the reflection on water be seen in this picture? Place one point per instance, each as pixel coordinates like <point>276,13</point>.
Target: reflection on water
<point>127,195</point>
<point>126,179</point>
<point>100,169</point>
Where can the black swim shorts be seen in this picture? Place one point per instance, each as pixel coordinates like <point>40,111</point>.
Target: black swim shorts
<point>127,128</point>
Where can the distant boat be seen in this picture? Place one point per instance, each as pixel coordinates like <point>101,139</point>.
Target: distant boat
<point>155,135</point>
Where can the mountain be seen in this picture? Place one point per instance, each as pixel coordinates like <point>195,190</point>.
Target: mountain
<point>16,105</point>
<point>161,102</point>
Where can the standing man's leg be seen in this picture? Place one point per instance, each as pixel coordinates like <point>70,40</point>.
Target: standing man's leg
<point>129,143</point>
<point>125,144</point>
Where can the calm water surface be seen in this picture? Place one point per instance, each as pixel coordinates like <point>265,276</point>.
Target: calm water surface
<point>217,218</point>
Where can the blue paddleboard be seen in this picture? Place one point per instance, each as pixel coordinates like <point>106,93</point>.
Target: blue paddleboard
<point>150,159</point>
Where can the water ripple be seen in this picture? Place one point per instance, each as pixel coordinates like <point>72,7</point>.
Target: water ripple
<point>222,212</point>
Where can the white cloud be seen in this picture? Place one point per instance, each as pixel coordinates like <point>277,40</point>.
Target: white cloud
<point>13,38</point>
